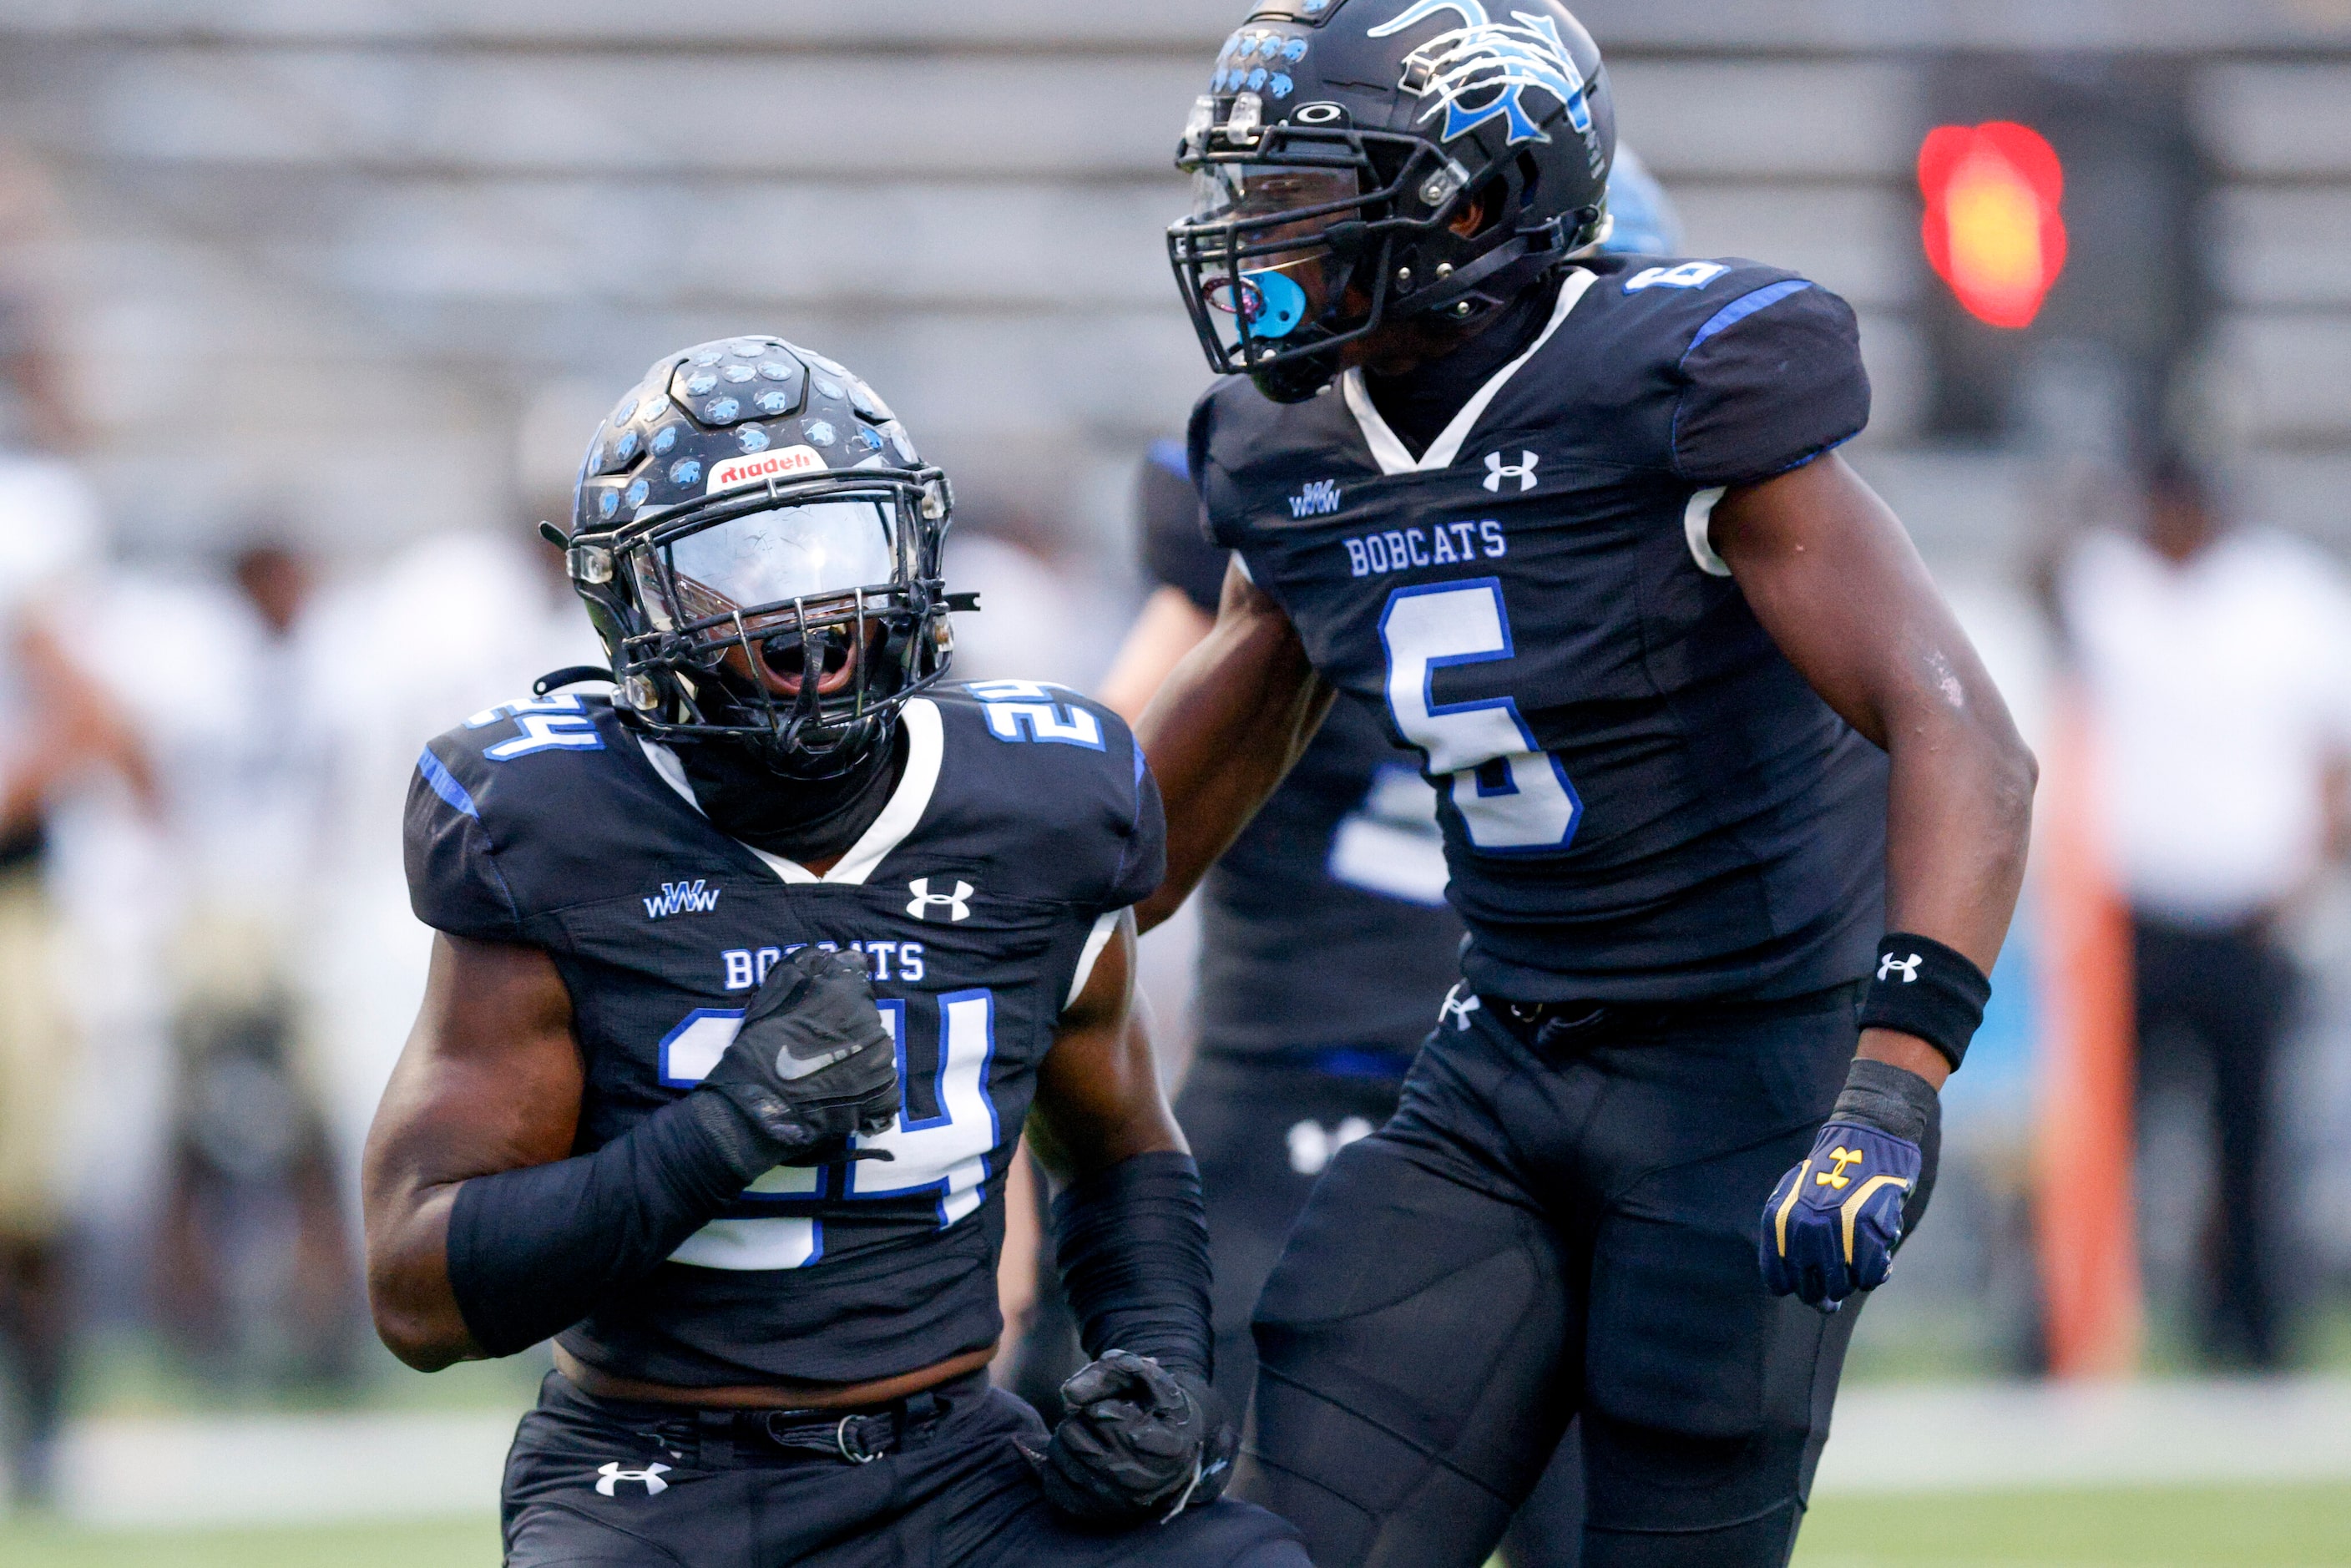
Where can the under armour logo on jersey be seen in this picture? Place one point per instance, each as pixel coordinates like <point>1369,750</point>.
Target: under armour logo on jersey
<point>649,1478</point>
<point>1523,471</point>
<point>681,898</point>
<point>1908,968</point>
<point>958,902</point>
<point>1457,1008</point>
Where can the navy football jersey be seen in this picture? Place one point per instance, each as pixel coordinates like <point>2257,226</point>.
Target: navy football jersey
<point>1325,925</point>
<point>1641,798</point>
<point>1023,821</point>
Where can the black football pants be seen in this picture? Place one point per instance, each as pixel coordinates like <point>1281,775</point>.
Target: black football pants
<point>1263,1127</point>
<point>1539,1235</point>
<point>2225,994</point>
<point>595,1483</point>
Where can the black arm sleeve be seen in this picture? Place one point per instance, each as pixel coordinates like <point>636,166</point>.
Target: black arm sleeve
<point>1133,1248</point>
<point>532,1251</point>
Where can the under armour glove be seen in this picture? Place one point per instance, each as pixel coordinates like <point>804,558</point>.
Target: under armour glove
<point>1139,1442</point>
<point>1833,1224</point>
<point>812,1063</point>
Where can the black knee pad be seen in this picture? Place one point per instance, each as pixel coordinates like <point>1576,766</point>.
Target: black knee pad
<point>1412,1349</point>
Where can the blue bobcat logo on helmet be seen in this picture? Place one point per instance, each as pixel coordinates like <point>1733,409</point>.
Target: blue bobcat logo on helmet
<point>1483,56</point>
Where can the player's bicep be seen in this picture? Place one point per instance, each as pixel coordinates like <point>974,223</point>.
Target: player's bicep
<point>1098,1096</point>
<point>1833,577</point>
<point>491,1076</point>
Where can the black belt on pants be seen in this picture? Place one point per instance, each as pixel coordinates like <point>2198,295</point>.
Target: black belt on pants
<point>1552,1029</point>
<point>723,1438</point>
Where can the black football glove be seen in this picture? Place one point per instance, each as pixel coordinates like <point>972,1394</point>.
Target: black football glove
<point>812,1063</point>
<point>1139,1442</point>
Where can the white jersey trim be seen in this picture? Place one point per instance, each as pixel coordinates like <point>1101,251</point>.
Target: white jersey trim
<point>1696,520</point>
<point>925,748</point>
<point>1394,456</point>
<point>1090,955</point>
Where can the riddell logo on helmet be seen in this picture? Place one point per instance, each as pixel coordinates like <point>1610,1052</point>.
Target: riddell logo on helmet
<point>737,472</point>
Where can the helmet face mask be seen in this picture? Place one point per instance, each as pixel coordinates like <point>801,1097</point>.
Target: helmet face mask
<point>1319,220</point>
<point>792,607</point>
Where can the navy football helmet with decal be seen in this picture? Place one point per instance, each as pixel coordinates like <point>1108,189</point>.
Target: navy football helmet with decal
<point>1362,162</point>
<point>758,546</point>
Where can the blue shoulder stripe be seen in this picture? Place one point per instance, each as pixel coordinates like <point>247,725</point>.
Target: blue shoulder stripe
<point>1745,305</point>
<point>1170,456</point>
<point>445,784</point>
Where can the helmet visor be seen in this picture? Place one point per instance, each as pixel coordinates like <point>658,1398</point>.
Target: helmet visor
<point>770,560</point>
<point>1276,272</point>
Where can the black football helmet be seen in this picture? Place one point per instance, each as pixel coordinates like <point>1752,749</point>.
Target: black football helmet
<point>1341,153</point>
<point>758,546</point>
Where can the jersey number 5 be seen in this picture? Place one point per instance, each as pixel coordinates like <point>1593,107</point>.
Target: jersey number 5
<point>1513,797</point>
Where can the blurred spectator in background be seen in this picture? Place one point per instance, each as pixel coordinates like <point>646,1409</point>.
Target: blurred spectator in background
<point>254,1267</point>
<point>1040,615</point>
<point>2217,665</point>
<point>57,729</point>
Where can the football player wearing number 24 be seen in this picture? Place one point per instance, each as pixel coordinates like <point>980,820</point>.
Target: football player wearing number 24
<point>746,980</point>
<point>1714,763</point>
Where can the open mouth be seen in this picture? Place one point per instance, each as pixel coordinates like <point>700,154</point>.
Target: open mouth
<point>786,659</point>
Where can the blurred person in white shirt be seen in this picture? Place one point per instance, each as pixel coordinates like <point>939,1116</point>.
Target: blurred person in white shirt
<point>254,1263</point>
<point>2216,663</point>
<point>58,729</point>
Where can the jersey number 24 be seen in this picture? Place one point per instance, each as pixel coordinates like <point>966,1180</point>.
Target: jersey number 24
<point>1513,796</point>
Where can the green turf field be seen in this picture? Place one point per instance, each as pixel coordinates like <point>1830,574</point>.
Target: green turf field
<point>2185,1527</point>
<point>473,1546</point>
<point>2243,1527</point>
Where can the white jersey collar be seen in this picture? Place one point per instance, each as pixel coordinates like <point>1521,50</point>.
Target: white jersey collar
<point>925,745</point>
<point>1394,456</point>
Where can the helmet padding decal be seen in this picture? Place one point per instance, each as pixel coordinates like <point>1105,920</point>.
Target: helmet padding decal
<point>1484,56</point>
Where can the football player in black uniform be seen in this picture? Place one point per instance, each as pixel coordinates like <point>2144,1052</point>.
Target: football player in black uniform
<point>1702,731</point>
<point>746,978</point>
<point>1326,942</point>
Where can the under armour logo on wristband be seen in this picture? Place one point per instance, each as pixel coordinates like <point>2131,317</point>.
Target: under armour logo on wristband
<point>612,1475</point>
<point>1889,965</point>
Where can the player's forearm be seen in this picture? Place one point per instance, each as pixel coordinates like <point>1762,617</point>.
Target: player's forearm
<point>494,1264</point>
<point>415,1311</point>
<point>1223,732</point>
<point>1959,821</point>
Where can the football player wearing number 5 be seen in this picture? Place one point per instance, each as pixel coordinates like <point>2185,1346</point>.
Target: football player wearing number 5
<point>1711,754</point>
<point>746,978</point>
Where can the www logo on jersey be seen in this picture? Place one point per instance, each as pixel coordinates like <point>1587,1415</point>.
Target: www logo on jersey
<point>1483,57</point>
<point>683,898</point>
<point>1318,499</point>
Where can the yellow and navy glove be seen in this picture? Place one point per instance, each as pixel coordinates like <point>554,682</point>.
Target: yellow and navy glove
<point>1833,1224</point>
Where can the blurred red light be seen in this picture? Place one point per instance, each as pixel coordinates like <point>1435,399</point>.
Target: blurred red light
<point>1993,228</point>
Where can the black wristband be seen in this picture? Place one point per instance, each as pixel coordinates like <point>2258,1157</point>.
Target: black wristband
<point>1133,1245</point>
<point>1925,988</point>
